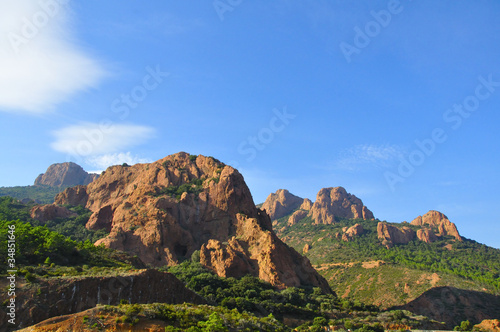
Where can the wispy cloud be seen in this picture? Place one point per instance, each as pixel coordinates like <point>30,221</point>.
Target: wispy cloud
<point>104,161</point>
<point>94,139</point>
<point>40,64</point>
<point>368,155</point>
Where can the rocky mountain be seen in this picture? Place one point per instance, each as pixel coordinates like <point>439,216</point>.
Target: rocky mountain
<point>281,203</point>
<point>330,204</point>
<point>65,175</point>
<point>165,211</point>
<point>382,263</point>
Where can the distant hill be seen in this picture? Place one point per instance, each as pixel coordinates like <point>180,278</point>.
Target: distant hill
<point>39,194</point>
<point>65,175</point>
<point>47,185</point>
<point>380,263</point>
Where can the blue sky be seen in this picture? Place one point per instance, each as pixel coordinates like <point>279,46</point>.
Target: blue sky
<point>397,101</point>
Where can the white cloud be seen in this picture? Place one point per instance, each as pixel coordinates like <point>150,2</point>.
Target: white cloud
<point>94,139</point>
<point>104,161</point>
<point>40,65</point>
<point>368,155</point>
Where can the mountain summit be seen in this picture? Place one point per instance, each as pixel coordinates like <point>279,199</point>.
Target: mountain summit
<point>330,204</point>
<point>65,175</point>
<point>165,211</point>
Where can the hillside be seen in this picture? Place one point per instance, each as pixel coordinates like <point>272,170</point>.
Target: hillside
<point>188,226</point>
<point>388,264</point>
<point>59,275</point>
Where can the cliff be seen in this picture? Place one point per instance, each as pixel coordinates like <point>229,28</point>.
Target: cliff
<point>164,211</point>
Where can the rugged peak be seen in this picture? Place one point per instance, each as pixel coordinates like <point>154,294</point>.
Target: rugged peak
<point>164,211</point>
<point>437,221</point>
<point>65,175</point>
<point>281,203</point>
<point>336,202</point>
<point>431,218</point>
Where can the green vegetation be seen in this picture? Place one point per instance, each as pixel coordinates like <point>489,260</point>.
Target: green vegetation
<point>195,318</point>
<point>464,326</point>
<point>250,294</point>
<point>195,187</point>
<point>468,259</point>
<point>40,194</point>
<point>37,245</point>
<point>73,227</point>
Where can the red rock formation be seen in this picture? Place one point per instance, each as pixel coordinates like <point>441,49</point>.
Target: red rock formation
<point>336,202</point>
<point>488,325</point>
<point>76,196</point>
<point>281,203</point>
<point>296,217</point>
<point>352,232</point>
<point>47,212</point>
<point>391,235</point>
<point>436,219</point>
<point>65,174</point>
<point>306,204</point>
<point>166,210</point>
<point>426,235</point>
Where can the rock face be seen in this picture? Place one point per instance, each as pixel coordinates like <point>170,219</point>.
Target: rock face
<point>489,325</point>
<point>296,217</point>
<point>69,295</point>
<point>426,235</point>
<point>437,221</point>
<point>452,305</point>
<point>391,235</point>
<point>352,232</point>
<point>64,175</point>
<point>281,203</point>
<point>336,202</point>
<point>164,211</point>
<point>47,212</point>
<point>331,203</point>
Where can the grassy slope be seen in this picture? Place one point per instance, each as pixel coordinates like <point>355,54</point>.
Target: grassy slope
<point>406,270</point>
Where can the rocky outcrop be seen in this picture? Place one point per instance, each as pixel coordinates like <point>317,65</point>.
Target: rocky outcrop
<point>164,211</point>
<point>56,297</point>
<point>352,232</point>
<point>426,235</point>
<point>488,325</point>
<point>65,175</point>
<point>452,306</point>
<point>439,223</point>
<point>334,203</point>
<point>296,217</point>
<point>47,212</point>
<point>76,196</point>
<point>306,204</point>
<point>391,235</point>
<point>281,204</point>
